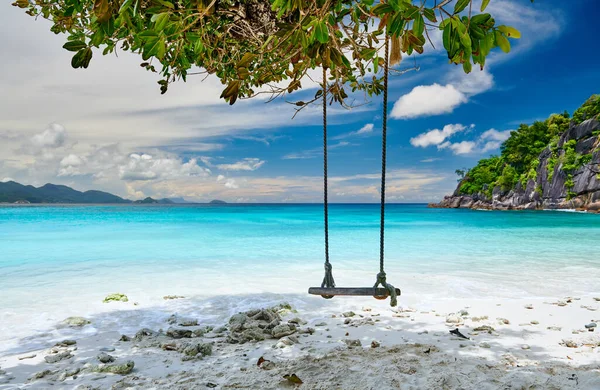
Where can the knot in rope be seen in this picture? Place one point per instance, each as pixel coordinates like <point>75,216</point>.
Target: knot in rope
<point>382,281</point>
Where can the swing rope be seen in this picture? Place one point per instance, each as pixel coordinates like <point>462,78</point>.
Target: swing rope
<point>328,281</point>
<point>381,276</point>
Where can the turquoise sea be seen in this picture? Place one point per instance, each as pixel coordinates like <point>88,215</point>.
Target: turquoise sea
<point>57,261</point>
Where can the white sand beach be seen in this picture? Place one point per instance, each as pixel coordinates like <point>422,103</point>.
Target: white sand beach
<point>345,343</point>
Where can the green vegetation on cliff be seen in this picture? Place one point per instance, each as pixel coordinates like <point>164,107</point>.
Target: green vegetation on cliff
<point>519,155</point>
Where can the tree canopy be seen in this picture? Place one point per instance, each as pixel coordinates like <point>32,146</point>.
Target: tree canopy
<point>256,46</point>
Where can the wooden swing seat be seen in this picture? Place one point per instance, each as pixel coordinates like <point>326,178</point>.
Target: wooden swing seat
<point>377,293</point>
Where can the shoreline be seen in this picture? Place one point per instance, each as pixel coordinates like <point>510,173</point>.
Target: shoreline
<point>525,341</point>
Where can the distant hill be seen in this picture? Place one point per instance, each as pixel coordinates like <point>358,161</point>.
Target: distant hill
<point>217,201</point>
<point>13,192</point>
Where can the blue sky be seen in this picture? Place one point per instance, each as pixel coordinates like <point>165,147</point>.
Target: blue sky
<point>108,128</point>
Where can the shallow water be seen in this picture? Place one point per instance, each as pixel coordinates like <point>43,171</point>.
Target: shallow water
<point>57,261</point>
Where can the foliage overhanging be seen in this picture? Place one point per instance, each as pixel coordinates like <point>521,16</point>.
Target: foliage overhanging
<point>268,46</point>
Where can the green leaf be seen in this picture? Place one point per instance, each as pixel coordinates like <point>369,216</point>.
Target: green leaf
<point>510,32</point>
<point>484,5</point>
<point>74,45</point>
<point>321,33</point>
<point>430,15</point>
<point>419,25</point>
<point>82,58</point>
<point>502,42</point>
<point>167,4</point>
<point>125,6</point>
<point>161,21</point>
<point>461,5</point>
<point>154,46</point>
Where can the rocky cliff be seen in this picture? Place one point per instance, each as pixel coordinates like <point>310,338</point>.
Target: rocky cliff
<point>558,183</point>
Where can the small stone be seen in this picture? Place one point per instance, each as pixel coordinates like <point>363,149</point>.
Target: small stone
<point>105,358</point>
<point>308,330</point>
<point>484,328</point>
<point>375,344</point>
<point>55,358</point>
<point>347,321</point>
<point>478,319</point>
<point>555,328</point>
<point>591,325</point>
<point>121,369</point>
<point>529,306</point>
<point>366,308</point>
<point>321,324</point>
<point>453,319</point>
<point>349,314</point>
<point>353,343</point>
<point>179,333</point>
<point>194,349</point>
<point>484,345</point>
<point>297,321</point>
<point>41,374</point>
<point>525,346</point>
<point>71,371</point>
<point>168,297</point>
<point>561,303</point>
<point>423,332</point>
<point>65,343</point>
<point>107,349</point>
<point>76,322</point>
<point>31,356</point>
<point>597,299</point>
<point>534,322</point>
<point>570,343</point>
<point>503,321</point>
<point>463,313</point>
<point>116,297</point>
<point>282,330</point>
<point>188,322</point>
<point>125,338</point>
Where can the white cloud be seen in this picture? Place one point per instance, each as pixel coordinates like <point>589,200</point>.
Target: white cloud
<point>426,100</point>
<point>363,131</point>
<point>53,137</point>
<point>148,167</point>
<point>220,178</point>
<point>436,136</point>
<point>368,128</point>
<point>463,147</point>
<point>70,165</point>
<point>487,141</point>
<point>495,135</point>
<point>6,180</point>
<point>230,183</point>
<point>430,160</point>
<point>474,83</point>
<point>247,164</point>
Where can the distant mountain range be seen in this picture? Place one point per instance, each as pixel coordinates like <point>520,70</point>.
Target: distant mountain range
<point>13,192</point>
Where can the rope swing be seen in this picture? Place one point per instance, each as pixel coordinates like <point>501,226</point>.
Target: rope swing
<point>328,289</point>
